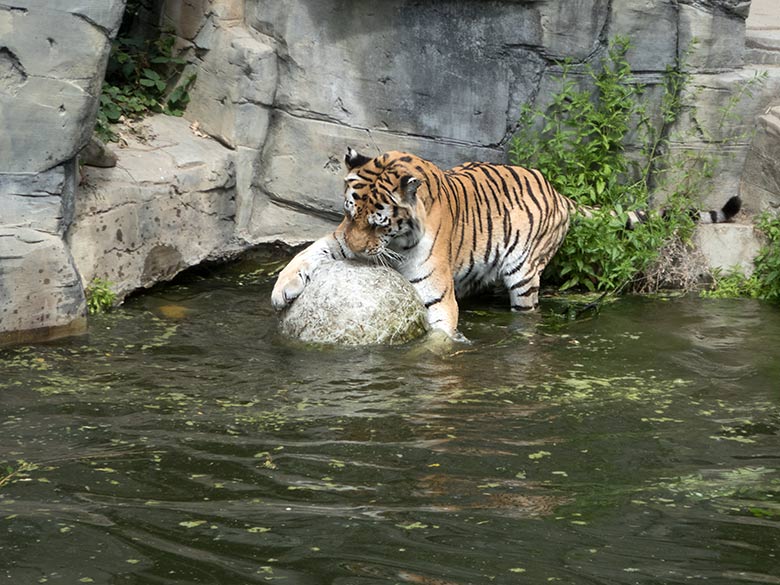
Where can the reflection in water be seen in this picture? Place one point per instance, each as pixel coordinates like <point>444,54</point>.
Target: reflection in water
<point>185,441</point>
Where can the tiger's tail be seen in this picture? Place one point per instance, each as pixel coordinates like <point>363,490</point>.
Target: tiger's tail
<point>723,215</point>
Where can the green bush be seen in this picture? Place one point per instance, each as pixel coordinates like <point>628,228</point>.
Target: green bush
<point>578,142</point>
<point>142,77</point>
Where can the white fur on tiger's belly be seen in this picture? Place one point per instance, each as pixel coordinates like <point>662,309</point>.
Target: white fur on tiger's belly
<point>350,303</point>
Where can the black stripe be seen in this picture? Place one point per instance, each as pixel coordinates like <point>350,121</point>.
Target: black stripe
<point>433,244</point>
<point>468,272</point>
<point>478,198</point>
<point>416,280</point>
<point>489,246</point>
<point>430,303</point>
<point>521,308</point>
<point>341,247</point>
<point>517,188</point>
<point>520,283</point>
<point>496,188</point>
<point>448,189</point>
<point>511,248</point>
<point>714,216</point>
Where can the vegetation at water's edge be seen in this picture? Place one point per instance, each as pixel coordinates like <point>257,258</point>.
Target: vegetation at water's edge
<point>100,296</point>
<point>143,76</point>
<point>579,142</point>
<point>764,282</point>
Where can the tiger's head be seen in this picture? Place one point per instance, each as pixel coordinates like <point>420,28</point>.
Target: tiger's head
<point>383,211</point>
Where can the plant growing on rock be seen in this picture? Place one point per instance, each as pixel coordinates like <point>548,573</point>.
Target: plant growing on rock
<point>143,76</point>
<point>100,296</point>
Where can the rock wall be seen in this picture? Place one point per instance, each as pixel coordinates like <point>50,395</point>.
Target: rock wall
<point>52,62</point>
<point>282,89</point>
<point>290,85</point>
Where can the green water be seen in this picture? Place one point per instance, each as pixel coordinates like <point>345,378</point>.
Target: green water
<point>184,441</point>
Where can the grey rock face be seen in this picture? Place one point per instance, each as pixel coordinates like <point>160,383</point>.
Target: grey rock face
<point>374,79</point>
<point>630,18</point>
<point>235,113</point>
<point>40,290</point>
<point>711,128</point>
<point>51,67</point>
<point>52,60</point>
<point>711,40</point>
<point>348,303</point>
<point>760,186</point>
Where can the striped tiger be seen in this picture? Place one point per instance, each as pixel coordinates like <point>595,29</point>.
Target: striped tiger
<point>448,232</point>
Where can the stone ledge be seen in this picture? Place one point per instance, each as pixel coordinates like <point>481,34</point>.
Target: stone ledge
<point>726,246</point>
<point>169,204</point>
<point>763,47</point>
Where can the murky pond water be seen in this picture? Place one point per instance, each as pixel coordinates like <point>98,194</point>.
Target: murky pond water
<point>184,441</point>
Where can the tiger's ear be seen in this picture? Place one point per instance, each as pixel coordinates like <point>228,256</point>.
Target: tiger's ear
<point>409,185</point>
<point>354,159</point>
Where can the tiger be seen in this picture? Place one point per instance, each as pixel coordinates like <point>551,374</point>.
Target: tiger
<point>448,232</point>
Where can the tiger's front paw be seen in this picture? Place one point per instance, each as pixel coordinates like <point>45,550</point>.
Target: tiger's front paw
<point>290,284</point>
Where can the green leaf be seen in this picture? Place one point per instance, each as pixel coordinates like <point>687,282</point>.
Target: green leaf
<point>151,74</point>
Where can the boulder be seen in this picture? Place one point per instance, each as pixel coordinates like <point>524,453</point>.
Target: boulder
<point>97,154</point>
<point>348,303</point>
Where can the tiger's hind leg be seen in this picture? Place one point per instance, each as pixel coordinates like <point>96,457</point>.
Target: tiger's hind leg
<point>523,287</point>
